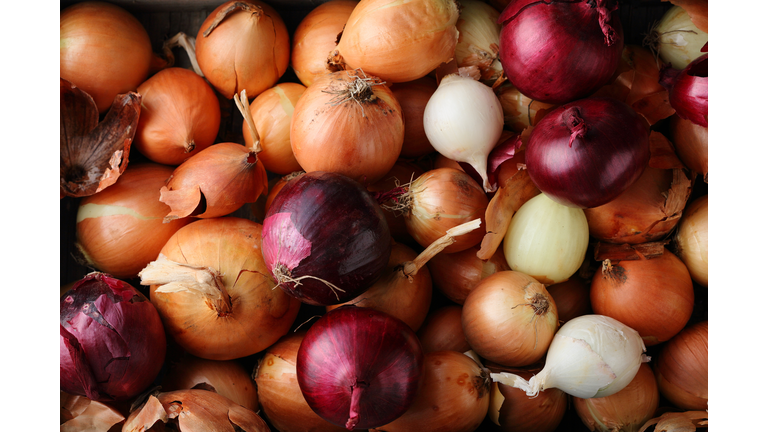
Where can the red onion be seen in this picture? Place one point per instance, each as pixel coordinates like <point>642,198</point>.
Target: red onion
<point>556,51</point>
<point>359,368</point>
<point>112,343</point>
<point>326,240</point>
<point>689,90</point>
<point>586,153</point>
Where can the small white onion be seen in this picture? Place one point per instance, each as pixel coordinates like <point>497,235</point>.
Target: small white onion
<point>590,356</point>
<point>676,39</point>
<point>463,121</point>
<point>546,240</point>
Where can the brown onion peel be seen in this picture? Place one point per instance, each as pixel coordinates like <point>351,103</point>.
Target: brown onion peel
<point>442,331</point>
<point>94,154</point>
<point>607,252</point>
<point>78,413</point>
<point>687,421</point>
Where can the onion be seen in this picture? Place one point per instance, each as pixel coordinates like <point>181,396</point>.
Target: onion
<point>276,184</point>
<point>453,396</point>
<point>349,123</point>
<point>325,240</point>
<point>546,240</point>
<point>243,44</point>
<point>653,296</point>
<point>120,229</point>
<point>462,111</point>
<point>689,90</point>
<point>559,51</point>
<point>212,289</point>
<point>478,43</point>
<point>442,331</point>
<point>590,356</point>
<point>692,237</point>
<point>691,144</point>
<point>509,318</point>
<point>682,368</point>
<point>514,411</point>
<point>398,41</point>
<point>316,36</point>
<point>413,97</point>
<point>586,153</point>
<point>401,174</point>
<point>520,111</point>
<point>456,274</point>
<point>104,50</point>
<point>80,414</point>
<point>571,298</point>
<point>272,111</point>
<point>675,38</point>
<point>626,410</point>
<point>112,343</point>
<point>180,116</point>
<point>359,368</point>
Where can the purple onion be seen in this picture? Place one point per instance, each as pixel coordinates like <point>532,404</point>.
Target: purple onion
<point>359,368</point>
<point>689,90</point>
<point>325,239</point>
<point>112,342</point>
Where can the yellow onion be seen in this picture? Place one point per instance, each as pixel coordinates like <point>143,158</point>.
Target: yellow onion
<point>478,43</point>
<point>676,39</point>
<point>682,368</point>
<point>456,274</point>
<point>520,111</point>
<point>402,173</point>
<point>413,97</point>
<point>514,411</point>
<point>571,298</point>
<point>692,239</point>
<point>442,331</point>
<point>691,143</point>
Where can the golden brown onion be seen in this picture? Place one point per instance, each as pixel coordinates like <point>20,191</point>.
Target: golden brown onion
<point>691,144</point>
<point>413,97</point>
<point>692,239</point>
<point>514,411</point>
<point>682,368</point>
<point>571,298</point>
<point>456,274</point>
<point>442,331</point>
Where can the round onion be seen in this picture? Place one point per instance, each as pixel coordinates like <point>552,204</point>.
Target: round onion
<point>691,144</point>
<point>401,174</point>
<point>478,43</point>
<point>653,296</point>
<point>692,240</point>
<point>689,90</point>
<point>325,239</point>
<point>442,331</point>
<point>180,116</point>
<point>520,111</point>
<point>456,274</point>
<point>559,51</point>
<point>359,368</point>
<point>104,50</point>
<point>586,153</point>
<point>413,97</point>
<point>571,298</point>
<point>676,39</point>
<point>509,318</point>
<point>514,411</point>
<point>682,368</point>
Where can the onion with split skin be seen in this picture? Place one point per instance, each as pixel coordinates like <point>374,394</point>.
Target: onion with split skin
<point>478,43</point>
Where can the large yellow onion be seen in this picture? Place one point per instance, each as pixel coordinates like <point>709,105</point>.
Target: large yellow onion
<point>692,239</point>
<point>398,41</point>
<point>478,43</point>
<point>682,368</point>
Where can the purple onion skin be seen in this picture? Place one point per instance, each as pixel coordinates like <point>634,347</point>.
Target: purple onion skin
<point>325,227</point>
<point>112,342</point>
<point>689,90</point>
<point>359,347</point>
<point>609,151</point>
<point>557,51</point>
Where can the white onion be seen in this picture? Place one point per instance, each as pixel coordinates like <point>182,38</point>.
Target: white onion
<point>676,39</point>
<point>590,356</point>
<point>463,121</point>
<point>546,240</point>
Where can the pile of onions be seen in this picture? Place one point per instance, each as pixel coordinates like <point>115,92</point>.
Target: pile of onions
<point>456,274</point>
<point>514,411</point>
<point>398,42</point>
<point>350,123</point>
<point>180,116</point>
<point>558,51</point>
<point>111,344</point>
<point>653,296</point>
<point>691,144</point>
<point>280,397</point>
<point>682,368</point>
<point>675,38</point>
<point>104,50</point>
<point>453,396</point>
<point>478,43</point>
<point>546,240</point>
<point>461,111</point>
<point>689,90</point>
<point>626,410</point>
<point>325,239</point>
<point>509,318</point>
<point>692,238</point>
<point>359,368</point>
<point>120,229</point>
<point>214,293</point>
<point>586,153</point>
<point>413,97</point>
<point>442,331</point>
<point>243,44</point>
<point>316,36</point>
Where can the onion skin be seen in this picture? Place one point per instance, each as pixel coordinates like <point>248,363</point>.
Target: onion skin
<point>514,411</point>
<point>557,52</point>
<point>442,331</point>
<point>689,90</point>
<point>682,368</point>
<point>692,238</point>
<point>676,39</point>
<point>413,97</point>
<point>571,298</point>
<point>78,414</point>
<point>367,387</point>
<point>401,174</point>
<point>104,50</point>
<point>180,116</point>
<point>653,296</point>
<point>691,144</point>
<point>456,274</point>
<point>586,153</point>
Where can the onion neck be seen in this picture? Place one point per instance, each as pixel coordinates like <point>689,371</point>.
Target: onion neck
<point>576,125</point>
<point>354,406</point>
<point>604,10</point>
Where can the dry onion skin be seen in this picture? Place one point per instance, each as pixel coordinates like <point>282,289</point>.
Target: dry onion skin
<point>478,43</point>
<point>80,414</point>
<point>520,111</point>
<point>682,368</point>
<point>514,411</point>
<point>692,240</point>
<point>402,173</point>
<point>675,38</point>
<point>243,44</point>
<point>398,41</point>
<point>214,293</point>
<point>180,116</point>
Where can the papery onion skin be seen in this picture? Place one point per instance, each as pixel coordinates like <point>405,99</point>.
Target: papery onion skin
<point>180,116</point>
<point>478,43</point>
<point>324,228</point>
<point>520,111</point>
<point>112,343</point>
<point>120,229</point>
<point>78,414</point>
<point>682,367</point>
<point>556,52</point>
<point>514,411</point>
<point>359,368</point>
<point>692,239</point>
<point>653,296</point>
<point>456,274</point>
<point>676,40</point>
<point>691,142</point>
<point>587,152</point>
<point>442,331</point>
<point>104,50</point>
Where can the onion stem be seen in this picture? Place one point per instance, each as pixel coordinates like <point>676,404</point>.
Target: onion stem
<point>410,268</point>
<point>183,40</point>
<point>242,102</point>
<point>354,405</point>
